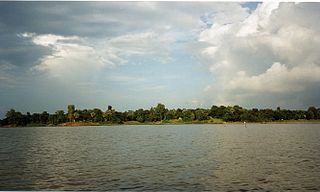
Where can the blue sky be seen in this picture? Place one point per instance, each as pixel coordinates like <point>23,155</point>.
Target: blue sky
<point>135,54</point>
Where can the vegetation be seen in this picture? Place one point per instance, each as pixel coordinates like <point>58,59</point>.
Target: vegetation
<point>157,115</point>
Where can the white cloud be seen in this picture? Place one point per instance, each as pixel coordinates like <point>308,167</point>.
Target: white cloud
<point>69,57</point>
<point>273,51</point>
<point>278,78</point>
<point>258,19</point>
<point>125,78</point>
<point>73,57</point>
<point>148,43</point>
<point>26,34</point>
<point>49,39</point>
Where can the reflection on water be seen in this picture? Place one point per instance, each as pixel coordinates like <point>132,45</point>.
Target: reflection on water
<point>178,157</point>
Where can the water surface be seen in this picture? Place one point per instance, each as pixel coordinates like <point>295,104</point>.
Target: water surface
<point>261,157</point>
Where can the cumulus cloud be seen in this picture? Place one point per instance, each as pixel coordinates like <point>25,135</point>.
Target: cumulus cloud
<point>69,55</point>
<point>271,51</point>
<point>278,79</point>
<point>78,57</point>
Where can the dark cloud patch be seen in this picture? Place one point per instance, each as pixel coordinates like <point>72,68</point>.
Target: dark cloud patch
<point>63,18</point>
<point>20,52</point>
<point>98,19</point>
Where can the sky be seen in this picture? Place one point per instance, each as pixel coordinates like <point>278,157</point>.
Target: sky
<point>136,54</point>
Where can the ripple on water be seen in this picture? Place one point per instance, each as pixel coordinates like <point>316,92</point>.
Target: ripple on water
<point>162,158</point>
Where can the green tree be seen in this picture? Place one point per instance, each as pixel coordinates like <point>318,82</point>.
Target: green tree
<point>77,115</point>
<point>71,110</point>
<point>108,115</point>
<point>130,116</point>
<point>160,111</point>
<point>201,114</point>
<point>140,115</point>
<point>44,117</point>
<point>152,116</point>
<point>96,115</point>
<point>15,118</point>
<point>178,114</point>
<point>312,113</point>
<point>214,111</point>
<point>171,114</point>
<point>85,115</point>
<point>113,116</point>
<point>188,115</point>
<point>61,117</point>
<point>53,120</point>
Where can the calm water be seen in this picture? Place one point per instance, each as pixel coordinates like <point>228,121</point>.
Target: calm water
<point>177,157</point>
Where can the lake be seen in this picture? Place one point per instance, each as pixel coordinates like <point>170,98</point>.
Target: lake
<point>261,157</point>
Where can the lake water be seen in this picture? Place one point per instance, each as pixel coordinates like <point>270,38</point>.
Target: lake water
<point>261,157</point>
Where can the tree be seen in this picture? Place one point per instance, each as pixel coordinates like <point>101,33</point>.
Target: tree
<point>219,112</point>
<point>201,114</point>
<point>160,111</point>
<point>171,114</point>
<point>140,114</point>
<point>312,113</point>
<point>71,110</point>
<point>152,116</point>
<point>44,117</point>
<point>77,115</point>
<point>108,115</point>
<point>96,115</point>
<point>178,113</point>
<point>130,116</point>
<point>214,111</point>
<point>61,117</point>
<point>14,118</point>
<point>85,115</point>
<point>53,120</point>
<point>113,116</point>
<point>188,115</point>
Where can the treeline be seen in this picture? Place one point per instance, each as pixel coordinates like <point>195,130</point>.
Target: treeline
<point>156,114</point>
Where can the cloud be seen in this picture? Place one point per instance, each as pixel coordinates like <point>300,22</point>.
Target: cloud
<point>272,51</point>
<point>5,72</point>
<point>257,20</point>
<point>78,57</point>
<point>268,55</point>
<point>278,79</point>
<point>125,78</point>
<point>70,56</point>
<point>142,44</point>
<point>152,88</point>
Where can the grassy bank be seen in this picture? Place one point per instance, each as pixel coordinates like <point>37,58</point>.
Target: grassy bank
<point>296,121</point>
<point>181,122</point>
<point>166,122</point>
<point>176,122</point>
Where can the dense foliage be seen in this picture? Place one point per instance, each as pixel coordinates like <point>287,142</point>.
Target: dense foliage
<point>156,114</point>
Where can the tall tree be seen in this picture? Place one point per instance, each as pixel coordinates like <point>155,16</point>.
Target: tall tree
<point>160,111</point>
<point>71,110</point>
<point>14,118</point>
<point>61,117</point>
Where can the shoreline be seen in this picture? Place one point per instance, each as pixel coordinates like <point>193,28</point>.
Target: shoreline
<point>171,122</point>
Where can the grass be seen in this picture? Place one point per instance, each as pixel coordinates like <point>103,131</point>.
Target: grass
<point>167,122</point>
<point>176,122</point>
<point>297,121</point>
